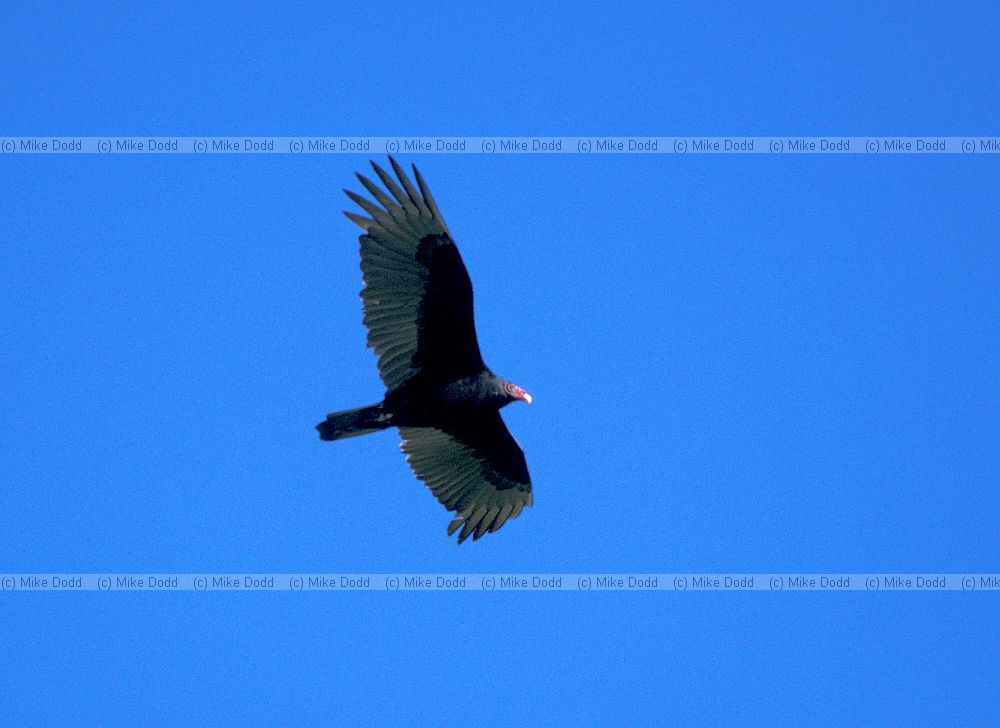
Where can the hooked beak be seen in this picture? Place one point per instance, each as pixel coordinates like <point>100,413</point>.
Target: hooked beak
<point>527,398</point>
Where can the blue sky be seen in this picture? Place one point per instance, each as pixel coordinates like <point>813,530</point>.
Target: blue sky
<point>739,363</point>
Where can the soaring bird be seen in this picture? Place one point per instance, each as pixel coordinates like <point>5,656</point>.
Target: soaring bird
<point>446,402</point>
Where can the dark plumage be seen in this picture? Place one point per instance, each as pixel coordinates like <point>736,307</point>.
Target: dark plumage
<point>439,393</point>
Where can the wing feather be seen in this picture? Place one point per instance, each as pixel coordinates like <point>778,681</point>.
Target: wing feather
<point>411,194</point>
<point>362,222</point>
<point>391,185</point>
<point>429,198</point>
<point>375,191</point>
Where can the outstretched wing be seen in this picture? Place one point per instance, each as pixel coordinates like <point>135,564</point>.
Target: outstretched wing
<point>417,295</point>
<point>475,468</point>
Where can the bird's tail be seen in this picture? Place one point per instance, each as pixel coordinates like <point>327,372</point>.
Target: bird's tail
<point>351,423</point>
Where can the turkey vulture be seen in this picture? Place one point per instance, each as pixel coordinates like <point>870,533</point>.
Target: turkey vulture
<point>445,401</point>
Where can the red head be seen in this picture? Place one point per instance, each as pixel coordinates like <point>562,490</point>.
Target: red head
<point>515,392</point>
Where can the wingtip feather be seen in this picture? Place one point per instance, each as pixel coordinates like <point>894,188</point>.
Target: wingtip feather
<point>364,204</point>
<point>362,222</point>
<point>411,193</point>
<point>376,192</point>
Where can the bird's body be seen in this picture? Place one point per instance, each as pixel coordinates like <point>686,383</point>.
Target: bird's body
<point>440,394</point>
<point>418,405</point>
